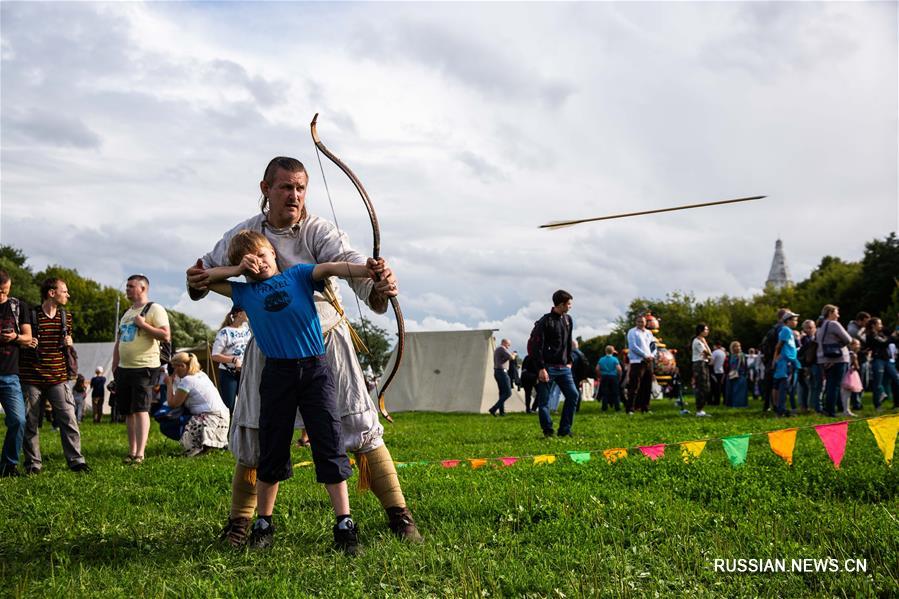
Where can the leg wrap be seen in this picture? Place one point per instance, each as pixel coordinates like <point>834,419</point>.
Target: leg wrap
<point>378,473</point>
<point>243,492</point>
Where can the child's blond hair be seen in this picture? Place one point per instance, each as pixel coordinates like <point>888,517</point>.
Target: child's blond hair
<point>246,242</point>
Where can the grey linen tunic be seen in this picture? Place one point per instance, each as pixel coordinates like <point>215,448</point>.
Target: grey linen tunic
<point>312,241</point>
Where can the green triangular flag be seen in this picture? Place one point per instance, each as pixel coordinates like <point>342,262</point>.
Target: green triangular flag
<point>736,447</point>
<point>579,457</point>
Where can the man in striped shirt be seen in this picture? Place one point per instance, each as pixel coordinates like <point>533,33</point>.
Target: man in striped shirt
<point>42,369</point>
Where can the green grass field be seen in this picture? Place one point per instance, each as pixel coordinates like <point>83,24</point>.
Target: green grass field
<point>632,528</point>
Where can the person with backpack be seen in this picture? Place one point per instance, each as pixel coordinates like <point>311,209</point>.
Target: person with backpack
<point>15,325</point>
<point>766,349</point>
<point>140,349</point>
<point>45,369</point>
<point>550,346</point>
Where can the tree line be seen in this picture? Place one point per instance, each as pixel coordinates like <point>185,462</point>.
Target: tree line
<point>868,285</point>
<point>92,305</point>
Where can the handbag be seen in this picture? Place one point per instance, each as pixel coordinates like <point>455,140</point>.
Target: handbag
<point>831,350</point>
<point>68,352</point>
<point>852,382</point>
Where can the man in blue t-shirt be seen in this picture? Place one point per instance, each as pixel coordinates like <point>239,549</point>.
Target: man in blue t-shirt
<point>287,329</point>
<point>785,362</point>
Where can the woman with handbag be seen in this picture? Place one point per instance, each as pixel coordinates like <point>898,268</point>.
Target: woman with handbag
<point>210,419</point>
<point>228,350</point>
<point>833,356</point>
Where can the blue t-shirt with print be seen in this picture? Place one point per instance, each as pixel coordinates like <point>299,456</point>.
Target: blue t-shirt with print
<point>608,366</point>
<point>787,353</point>
<point>282,313</point>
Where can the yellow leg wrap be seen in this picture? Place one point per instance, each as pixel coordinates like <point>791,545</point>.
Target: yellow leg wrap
<point>378,473</point>
<point>243,492</point>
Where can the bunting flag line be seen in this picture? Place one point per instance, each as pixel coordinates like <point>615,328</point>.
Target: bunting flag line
<point>885,430</point>
<point>615,454</point>
<point>783,442</point>
<point>736,448</point>
<point>690,450</point>
<point>833,436</point>
<point>653,452</point>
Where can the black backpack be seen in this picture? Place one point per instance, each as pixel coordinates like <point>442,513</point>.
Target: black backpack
<point>769,344</point>
<point>165,347</point>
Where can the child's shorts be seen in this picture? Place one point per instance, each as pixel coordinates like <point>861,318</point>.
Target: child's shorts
<point>306,384</point>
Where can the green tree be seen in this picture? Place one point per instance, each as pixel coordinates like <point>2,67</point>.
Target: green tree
<point>13,261</point>
<point>833,282</point>
<point>187,331</point>
<point>378,343</point>
<point>880,267</point>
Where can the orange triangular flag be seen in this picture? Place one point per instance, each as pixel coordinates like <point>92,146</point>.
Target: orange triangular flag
<point>614,454</point>
<point>477,462</point>
<point>782,443</point>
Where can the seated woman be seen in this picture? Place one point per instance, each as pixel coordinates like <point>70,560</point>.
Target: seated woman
<point>210,419</point>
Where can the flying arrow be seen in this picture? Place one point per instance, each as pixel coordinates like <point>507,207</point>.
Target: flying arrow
<point>567,223</point>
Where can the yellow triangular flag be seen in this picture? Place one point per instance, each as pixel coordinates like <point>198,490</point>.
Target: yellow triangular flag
<point>885,429</point>
<point>614,454</point>
<point>690,450</point>
<point>477,462</point>
<point>544,459</point>
<point>782,443</point>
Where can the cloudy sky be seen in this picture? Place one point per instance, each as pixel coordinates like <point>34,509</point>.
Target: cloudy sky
<point>134,134</point>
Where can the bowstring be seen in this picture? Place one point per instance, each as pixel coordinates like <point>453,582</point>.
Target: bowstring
<point>321,168</point>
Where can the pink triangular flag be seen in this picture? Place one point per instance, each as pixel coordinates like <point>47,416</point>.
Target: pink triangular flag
<point>450,463</point>
<point>833,436</point>
<point>508,461</point>
<point>653,452</point>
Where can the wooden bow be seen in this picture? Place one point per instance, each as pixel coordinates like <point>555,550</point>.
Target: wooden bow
<point>376,252</point>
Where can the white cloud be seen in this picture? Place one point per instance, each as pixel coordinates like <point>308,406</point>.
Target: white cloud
<point>470,125</point>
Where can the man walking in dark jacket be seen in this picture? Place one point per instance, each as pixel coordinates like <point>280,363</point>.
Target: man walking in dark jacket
<point>550,346</point>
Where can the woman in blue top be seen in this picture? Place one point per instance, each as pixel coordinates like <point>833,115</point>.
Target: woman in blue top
<point>608,370</point>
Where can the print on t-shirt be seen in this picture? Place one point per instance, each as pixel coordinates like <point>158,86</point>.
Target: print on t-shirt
<point>127,332</point>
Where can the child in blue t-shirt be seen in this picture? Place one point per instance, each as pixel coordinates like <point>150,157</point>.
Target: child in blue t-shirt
<point>286,327</point>
<point>786,363</point>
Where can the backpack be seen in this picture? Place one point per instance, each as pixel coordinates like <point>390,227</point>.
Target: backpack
<point>165,347</point>
<point>808,353</point>
<point>769,344</point>
<point>68,352</point>
<point>534,343</point>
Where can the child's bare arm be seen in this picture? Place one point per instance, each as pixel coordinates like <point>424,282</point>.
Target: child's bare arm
<point>222,288</point>
<point>344,269</point>
<point>223,273</point>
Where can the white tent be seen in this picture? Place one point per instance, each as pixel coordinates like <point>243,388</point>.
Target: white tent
<point>447,371</point>
<point>91,355</point>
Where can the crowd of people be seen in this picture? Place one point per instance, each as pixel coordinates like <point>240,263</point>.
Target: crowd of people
<point>299,368</point>
<point>818,366</point>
